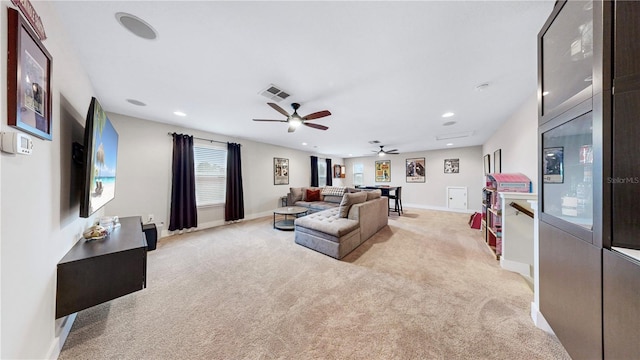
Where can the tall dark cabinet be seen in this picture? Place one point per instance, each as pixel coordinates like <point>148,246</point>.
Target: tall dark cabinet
<point>589,185</point>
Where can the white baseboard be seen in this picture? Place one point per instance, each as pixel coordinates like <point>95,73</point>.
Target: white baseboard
<point>63,328</point>
<point>440,208</point>
<point>516,266</point>
<point>539,320</point>
<point>212,224</point>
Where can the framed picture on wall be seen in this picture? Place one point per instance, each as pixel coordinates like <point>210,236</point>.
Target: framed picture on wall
<point>415,170</point>
<point>553,165</point>
<point>487,164</point>
<point>280,171</point>
<point>451,166</point>
<point>497,161</point>
<point>383,170</point>
<point>28,80</point>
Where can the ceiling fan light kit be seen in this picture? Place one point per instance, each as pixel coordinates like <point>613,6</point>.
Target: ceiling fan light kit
<point>296,120</point>
<point>383,152</point>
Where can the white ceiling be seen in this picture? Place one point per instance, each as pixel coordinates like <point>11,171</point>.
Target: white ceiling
<point>387,71</point>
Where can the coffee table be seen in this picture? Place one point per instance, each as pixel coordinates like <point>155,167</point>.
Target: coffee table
<point>287,223</point>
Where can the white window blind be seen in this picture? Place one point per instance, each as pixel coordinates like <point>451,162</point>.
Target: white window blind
<point>210,163</point>
<point>322,172</point>
<point>358,174</point>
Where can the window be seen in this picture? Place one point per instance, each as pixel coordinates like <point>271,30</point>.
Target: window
<point>322,172</point>
<point>211,174</point>
<point>358,174</point>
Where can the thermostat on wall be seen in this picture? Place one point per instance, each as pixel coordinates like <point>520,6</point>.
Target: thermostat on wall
<point>16,143</point>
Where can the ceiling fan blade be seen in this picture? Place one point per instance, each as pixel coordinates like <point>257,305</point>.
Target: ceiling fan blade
<point>278,109</point>
<point>269,120</point>
<point>292,129</point>
<point>317,115</point>
<point>390,151</point>
<point>316,126</point>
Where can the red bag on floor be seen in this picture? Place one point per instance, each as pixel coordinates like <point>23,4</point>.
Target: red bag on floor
<point>475,220</point>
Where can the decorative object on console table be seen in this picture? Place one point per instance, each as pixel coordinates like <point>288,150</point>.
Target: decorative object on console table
<point>415,170</point>
<point>492,208</point>
<point>497,161</point>
<point>280,171</point>
<point>28,79</point>
<point>383,171</point>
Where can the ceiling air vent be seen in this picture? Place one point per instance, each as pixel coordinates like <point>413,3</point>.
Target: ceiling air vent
<point>454,136</point>
<point>274,93</point>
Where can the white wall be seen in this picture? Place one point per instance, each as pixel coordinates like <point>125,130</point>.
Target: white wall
<point>518,139</point>
<point>144,172</point>
<point>39,213</point>
<point>432,194</point>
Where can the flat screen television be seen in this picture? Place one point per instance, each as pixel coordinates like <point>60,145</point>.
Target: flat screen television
<point>99,163</point>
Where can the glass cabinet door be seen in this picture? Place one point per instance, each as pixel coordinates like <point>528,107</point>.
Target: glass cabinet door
<point>567,171</point>
<point>567,54</point>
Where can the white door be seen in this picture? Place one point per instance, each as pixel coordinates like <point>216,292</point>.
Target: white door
<point>457,197</point>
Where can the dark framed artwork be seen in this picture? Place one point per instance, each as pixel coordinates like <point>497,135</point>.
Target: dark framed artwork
<point>451,166</point>
<point>497,161</point>
<point>553,165</point>
<point>487,164</point>
<point>280,171</point>
<point>28,80</point>
<point>383,171</point>
<point>415,170</point>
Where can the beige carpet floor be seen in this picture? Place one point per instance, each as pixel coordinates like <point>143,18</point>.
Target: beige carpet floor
<point>425,287</point>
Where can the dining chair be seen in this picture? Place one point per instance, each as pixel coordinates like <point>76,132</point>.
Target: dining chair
<point>397,197</point>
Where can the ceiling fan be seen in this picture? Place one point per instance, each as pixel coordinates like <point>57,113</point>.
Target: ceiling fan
<point>296,120</point>
<point>382,151</point>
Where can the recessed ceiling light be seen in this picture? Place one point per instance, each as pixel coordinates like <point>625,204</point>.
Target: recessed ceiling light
<point>350,154</point>
<point>305,144</point>
<point>449,123</point>
<point>447,114</point>
<point>482,87</point>
<point>179,113</point>
<point>136,102</point>
<point>137,26</point>
<point>545,93</point>
<point>449,144</point>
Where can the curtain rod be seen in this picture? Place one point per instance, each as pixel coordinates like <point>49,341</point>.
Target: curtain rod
<point>199,138</point>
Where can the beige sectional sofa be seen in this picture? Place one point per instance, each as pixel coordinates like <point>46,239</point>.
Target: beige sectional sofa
<point>343,226</point>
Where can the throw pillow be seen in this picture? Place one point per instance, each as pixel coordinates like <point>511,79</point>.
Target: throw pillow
<point>296,194</point>
<point>374,194</point>
<point>313,195</point>
<point>333,191</point>
<point>350,199</point>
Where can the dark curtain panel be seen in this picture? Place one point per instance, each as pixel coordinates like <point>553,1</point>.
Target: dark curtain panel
<point>234,203</point>
<point>329,173</point>
<point>184,213</point>
<point>314,171</point>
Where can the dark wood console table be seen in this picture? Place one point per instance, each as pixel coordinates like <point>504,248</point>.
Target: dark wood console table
<point>96,271</point>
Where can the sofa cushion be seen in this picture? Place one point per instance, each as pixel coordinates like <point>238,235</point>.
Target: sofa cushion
<point>374,194</point>
<point>349,199</point>
<point>333,199</point>
<point>313,195</point>
<point>327,222</point>
<point>333,191</point>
